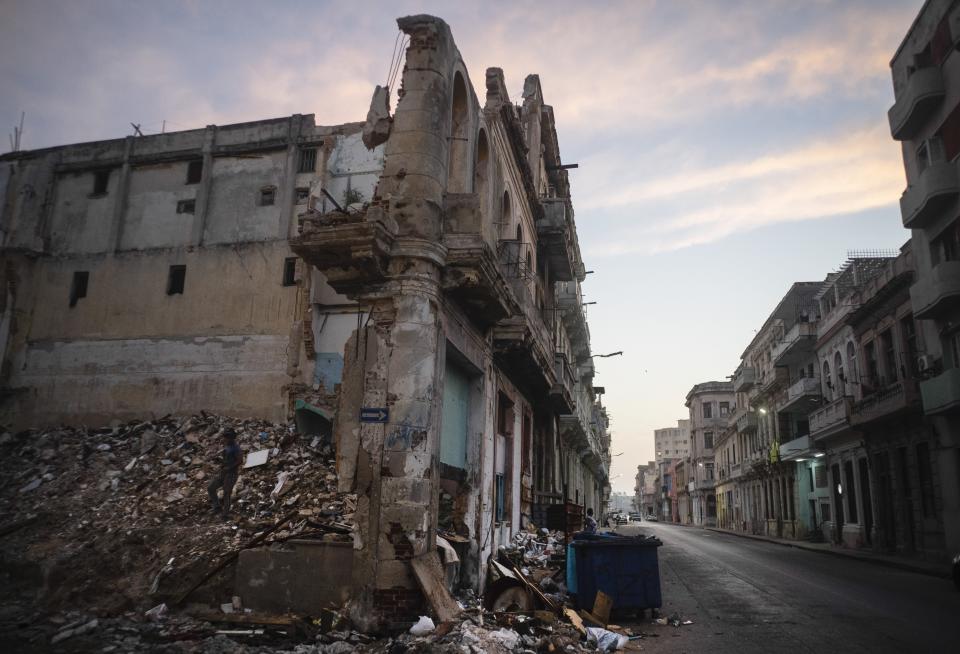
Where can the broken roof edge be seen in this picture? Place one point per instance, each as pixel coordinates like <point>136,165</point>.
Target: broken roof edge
<point>308,120</point>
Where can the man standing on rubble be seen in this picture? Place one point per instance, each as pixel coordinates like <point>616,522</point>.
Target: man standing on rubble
<point>227,477</point>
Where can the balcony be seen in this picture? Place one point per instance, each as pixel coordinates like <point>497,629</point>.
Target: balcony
<point>747,422</point>
<point>798,449</point>
<point>744,379</point>
<point>935,188</point>
<point>921,95</point>
<point>570,303</point>
<point>735,470</point>
<point>892,400</point>
<point>937,292</point>
<point>352,251</point>
<point>473,277</point>
<point>555,235</point>
<point>796,345</point>
<point>562,395</point>
<point>941,394</point>
<point>773,380</point>
<point>831,419</point>
<point>803,396</point>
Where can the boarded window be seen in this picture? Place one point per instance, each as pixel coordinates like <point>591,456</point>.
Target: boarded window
<point>195,171</point>
<point>456,415</point>
<point>186,206</point>
<point>78,288</point>
<point>290,271</point>
<point>101,179</point>
<point>176,279</point>
<point>308,160</point>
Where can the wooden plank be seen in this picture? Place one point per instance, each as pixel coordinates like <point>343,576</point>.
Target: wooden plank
<point>602,606</point>
<point>575,620</point>
<point>430,577</point>
<point>533,588</point>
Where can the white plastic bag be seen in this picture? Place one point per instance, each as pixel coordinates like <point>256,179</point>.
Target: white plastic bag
<point>606,641</point>
<point>423,627</point>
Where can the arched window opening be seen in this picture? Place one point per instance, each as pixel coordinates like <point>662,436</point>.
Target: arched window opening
<point>481,172</point>
<point>852,362</point>
<point>520,233</point>
<point>827,382</point>
<point>505,214</point>
<point>841,378</point>
<point>459,146</point>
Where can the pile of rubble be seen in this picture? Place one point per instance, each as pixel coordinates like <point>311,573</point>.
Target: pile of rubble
<point>109,518</point>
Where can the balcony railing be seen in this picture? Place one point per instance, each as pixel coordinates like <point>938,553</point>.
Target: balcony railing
<point>893,399</point>
<point>830,418</point>
<point>921,95</point>
<point>801,395</point>
<point>941,394</point>
<point>744,379</point>
<point>747,422</point>
<point>937,292</point>
<point>796,343</point>
<point>935,188</point>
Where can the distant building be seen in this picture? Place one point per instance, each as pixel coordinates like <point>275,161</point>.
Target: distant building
<point>710,405</point>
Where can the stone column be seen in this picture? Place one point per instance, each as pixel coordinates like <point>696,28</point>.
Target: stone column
<point>403,353</point>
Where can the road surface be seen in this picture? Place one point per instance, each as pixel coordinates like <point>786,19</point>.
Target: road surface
<point>745,596</point>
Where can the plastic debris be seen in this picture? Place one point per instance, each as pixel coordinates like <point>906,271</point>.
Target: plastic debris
<point>423,626</point>
<point>606,641</point>
<point>257,458</point>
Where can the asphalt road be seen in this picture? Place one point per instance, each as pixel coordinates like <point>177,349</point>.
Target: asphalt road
<point>746,596</point>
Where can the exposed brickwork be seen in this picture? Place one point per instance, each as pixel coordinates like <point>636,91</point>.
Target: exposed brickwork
<point>398,607</point>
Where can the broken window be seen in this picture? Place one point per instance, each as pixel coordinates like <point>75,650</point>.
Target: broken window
<point>724,408</point>
<point>303,194</point>
<point>308,160</point>
<point>268,195</point>
<point>101,179</point>
<point>499,499</point>
<point>175,280</point>
<point>194,171</point>
<point>186,206</point>
<point>290,271</point>
<point>456,416</point>
<point>78,288</point>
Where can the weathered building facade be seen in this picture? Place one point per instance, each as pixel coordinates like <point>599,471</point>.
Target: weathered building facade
<point>710,405</point>
<point>420,271</point>
<point>925,118</point>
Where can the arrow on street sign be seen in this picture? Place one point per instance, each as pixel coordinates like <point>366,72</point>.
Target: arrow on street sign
<point>374,414</point>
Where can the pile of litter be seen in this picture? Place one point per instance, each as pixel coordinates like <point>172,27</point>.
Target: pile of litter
<point>107,518</point>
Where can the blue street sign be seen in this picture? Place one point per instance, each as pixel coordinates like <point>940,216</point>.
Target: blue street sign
<point>374,414</point>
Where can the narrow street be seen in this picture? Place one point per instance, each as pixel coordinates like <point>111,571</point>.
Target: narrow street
<point>745,596</point>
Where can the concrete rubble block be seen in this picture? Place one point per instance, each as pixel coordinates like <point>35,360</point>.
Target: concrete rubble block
<point>376,129</point>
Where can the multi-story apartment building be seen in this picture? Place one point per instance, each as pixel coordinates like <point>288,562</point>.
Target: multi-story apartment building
<point>418,276</point>
<point>831,431</point>
<point>646,488</point>
<point>710,405</point>
<point>925,118</point>
<point>672,442</point>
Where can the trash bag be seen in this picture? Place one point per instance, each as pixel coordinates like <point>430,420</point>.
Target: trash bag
<point>423,626</point>
<point>607,641</point>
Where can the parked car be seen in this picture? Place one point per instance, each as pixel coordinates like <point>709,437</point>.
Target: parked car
<point>635,517</point>
<point>650,517</point>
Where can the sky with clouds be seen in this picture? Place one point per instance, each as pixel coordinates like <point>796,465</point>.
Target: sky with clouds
<point>726,149</point>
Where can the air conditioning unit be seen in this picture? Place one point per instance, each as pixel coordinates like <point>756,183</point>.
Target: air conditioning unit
<point>925,363</point>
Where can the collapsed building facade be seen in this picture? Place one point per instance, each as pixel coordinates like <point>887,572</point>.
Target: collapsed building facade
<point>409,285</point>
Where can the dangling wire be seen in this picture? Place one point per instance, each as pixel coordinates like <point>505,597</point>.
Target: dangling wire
<point>398,60</point>
<point>393,57</point>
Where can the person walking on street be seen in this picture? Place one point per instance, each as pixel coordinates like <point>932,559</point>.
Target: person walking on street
<point>227,476</point>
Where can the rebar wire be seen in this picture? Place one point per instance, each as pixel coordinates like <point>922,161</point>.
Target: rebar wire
<point>399,61</point>
<point>396,42</point>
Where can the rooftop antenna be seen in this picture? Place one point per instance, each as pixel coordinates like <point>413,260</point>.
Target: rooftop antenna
<point>136,129</point>
<point>17,135</point>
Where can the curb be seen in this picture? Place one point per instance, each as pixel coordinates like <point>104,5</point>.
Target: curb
<point>844,554</point>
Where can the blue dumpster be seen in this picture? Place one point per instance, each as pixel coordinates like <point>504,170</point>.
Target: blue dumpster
<point>625,568</point>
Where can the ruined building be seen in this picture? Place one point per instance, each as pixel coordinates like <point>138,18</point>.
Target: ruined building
<point>410,284</point>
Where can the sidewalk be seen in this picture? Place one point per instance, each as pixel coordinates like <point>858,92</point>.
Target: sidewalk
<point>941,570</point>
